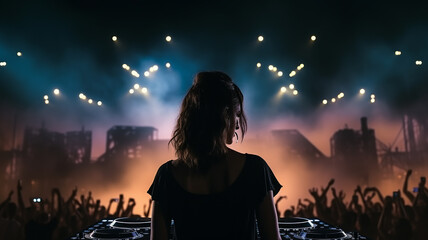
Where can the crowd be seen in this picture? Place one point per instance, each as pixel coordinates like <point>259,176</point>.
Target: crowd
<point>368,212</point>
<point>58,217</point>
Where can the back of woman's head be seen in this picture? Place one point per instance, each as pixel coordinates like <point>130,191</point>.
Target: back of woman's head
<point>207,112</point>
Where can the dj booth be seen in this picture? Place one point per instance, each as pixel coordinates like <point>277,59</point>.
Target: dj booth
<point>139,228</point>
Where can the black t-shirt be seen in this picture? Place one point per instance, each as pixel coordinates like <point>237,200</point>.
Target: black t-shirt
<point>226,215</point>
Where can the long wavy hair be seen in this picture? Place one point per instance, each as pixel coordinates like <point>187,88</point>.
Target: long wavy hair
<point>206,114</point>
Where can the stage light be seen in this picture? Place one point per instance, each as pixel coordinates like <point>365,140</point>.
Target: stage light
<point>259,65</point>
<point>341,95</point>
<point>135,74</point>
<point>90,101</point>
<point>114,38</point>
<point>302,65</point>
<point>283,89</point>
<point>46,101</point>
<point>397,53</point>
<point>324,101</point>
<point>372,100</point>
<point>56,91</point>
<point>99,103</point>
<point>168,38</point>
<point>295,92</point>
<point>146,73</point>
<point>144,90</point>
<point>292,74</point>
<point>274,69</point>
<point>372,96</point>
<point>333,100</point>
<point>168,65</point>
<point>155,68</point>
<point>260,38</point>
<point>2,64</point>
<point>126,67</point>
<point>313,38</point>
<point>82,96</point>
<point>362,91</point>
<point>136,86</point>
<point>151,69</point>
<point>131,91</point>
<point>299,68</point>
<point>46,97</point>
<point>19,54</point>
<point>270,67</point>
<point>291,86</point>
<point>280,73</point>
<point>419,62</point>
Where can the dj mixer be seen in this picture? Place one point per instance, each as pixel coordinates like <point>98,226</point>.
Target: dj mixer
<point>139,228</point>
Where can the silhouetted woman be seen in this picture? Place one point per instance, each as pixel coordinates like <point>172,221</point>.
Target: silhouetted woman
<point>212,191</point>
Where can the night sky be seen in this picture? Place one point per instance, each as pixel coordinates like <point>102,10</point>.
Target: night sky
<point>68,45</point>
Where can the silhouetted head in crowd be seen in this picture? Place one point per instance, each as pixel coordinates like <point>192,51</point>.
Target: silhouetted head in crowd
<point>211,112</point>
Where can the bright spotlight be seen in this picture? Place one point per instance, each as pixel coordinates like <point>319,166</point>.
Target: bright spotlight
<point>341,95</point>
<point>135,74</point>
<point>372,96</point>
<point>136,86</point>
<point>259,65</point>
<point>99,103</point>
<point>126,67</point>
<point>146,73</point>
<point>114,38</point>
<point>324,101</point>
<point>151,69</point>
<point>82,96</point>
<point>292,74</point>
<point>372,100</point>
<point>295,92</point>
<point>283,89</point>
<point>2,64</point>
<point>270,67</point>
<point>291,86</point>
<point>131,91</point>
<point>362,91</point>
<point>397,53</point>
<point>280,73</point>
<point>333,100</point>
<point>46,101</point>
<point>168,65</point>
<point>46,97</point>
<point>155,68</point>
<point>90,101</point>
<point>419,62</point>
<point>56,91</point>
<point>274,69</point>
<point>260,38</point>
<point>168,38</point>
<point>19,54</point>
<point>313,38</point>
<point>144,90</point>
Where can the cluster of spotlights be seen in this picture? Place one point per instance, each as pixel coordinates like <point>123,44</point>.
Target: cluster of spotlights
<point>89,100</point>
<point>3,64</point>
<point>37,200</point>
<point>291,88</point>
<point>372,98</point>
<point>46,97</point>
<point>138,89</point>
<point>133,72</point>
<point>334,99</point>
<point>294,72</point>
<point>397,53</point>
<point>418,62</point>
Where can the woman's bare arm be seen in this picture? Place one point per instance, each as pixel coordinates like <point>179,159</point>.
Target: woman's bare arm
<point>267,219</point>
